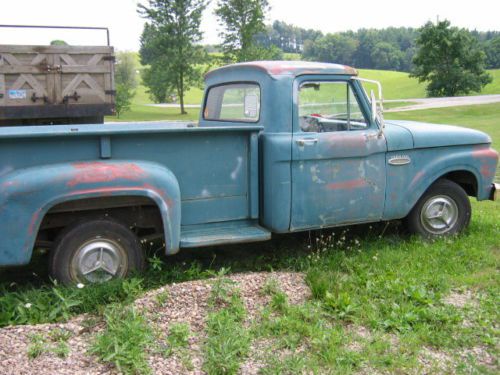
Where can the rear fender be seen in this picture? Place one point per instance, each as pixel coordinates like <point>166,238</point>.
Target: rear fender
<point>26,195</point>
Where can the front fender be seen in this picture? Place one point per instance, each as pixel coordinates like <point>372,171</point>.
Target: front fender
<point>26,195</point>
<point>407,183</point>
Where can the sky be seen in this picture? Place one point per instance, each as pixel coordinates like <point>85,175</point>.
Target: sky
<point>125,25</point>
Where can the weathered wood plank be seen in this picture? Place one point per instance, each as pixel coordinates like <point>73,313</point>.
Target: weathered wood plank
<point>99,69</point>
<point>22,69</point>
<point>48,74</point>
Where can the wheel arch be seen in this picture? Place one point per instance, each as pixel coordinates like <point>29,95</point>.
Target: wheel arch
<point>29,194</point>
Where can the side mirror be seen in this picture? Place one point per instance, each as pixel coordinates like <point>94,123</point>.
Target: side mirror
<point>374,106</point>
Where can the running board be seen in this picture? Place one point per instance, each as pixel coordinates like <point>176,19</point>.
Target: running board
<point>222,233</point>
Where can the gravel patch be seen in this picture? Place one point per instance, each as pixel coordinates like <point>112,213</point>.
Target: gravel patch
<point>433,360</point>
<point>15,341</point>
<point>481,356</point>
<point>460,299</point>
<point>176,303</point>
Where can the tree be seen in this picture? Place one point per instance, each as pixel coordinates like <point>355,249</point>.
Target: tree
<point>492,49</point>
<point>450,59</point>
<point>125,81</point>
<point>334,48</point>
<point>385,56</point>
<point>242,21</point>
<point>58,42</point>
<point>169,47</point>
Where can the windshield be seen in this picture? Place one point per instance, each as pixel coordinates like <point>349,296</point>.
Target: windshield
<point>329,106</point>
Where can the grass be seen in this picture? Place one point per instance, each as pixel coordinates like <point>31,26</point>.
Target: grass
<point>228,341</point>
<point>398,85</point>
<point>124,341</point>
<point>389,285</point>
<point>482,117</point>
<point>56,342</point>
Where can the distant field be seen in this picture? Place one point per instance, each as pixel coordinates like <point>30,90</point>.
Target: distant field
<point>484,117</point>
<point>398,85</point>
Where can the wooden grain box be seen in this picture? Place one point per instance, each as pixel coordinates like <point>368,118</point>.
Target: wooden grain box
<point>56,82</point>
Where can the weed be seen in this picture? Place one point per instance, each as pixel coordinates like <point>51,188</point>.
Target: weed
<point>270,287</point>
<point>37,346</point>
<point>56,343</point>
<point>163,297</point>
<point>155,263</point>
<point>279,302</point>
<point>125,340</point>
<point>61,349</point>
<point>178,337</point>
<point>228,341</point>
<point>59,334</point>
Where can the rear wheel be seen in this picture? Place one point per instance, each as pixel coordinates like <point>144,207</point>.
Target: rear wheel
<point>94,252</point>
<point>443,210</point>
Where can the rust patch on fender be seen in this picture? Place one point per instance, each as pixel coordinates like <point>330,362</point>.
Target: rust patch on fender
<point>351,184</point>
<point>96,172</point>
<point>116,189</point>
<point>488,159</point>
<point>417,178</point>
<point>485,153</point>
<point>33,222</point>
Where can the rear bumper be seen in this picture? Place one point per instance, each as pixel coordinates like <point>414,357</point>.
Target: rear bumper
<point>495,192</point>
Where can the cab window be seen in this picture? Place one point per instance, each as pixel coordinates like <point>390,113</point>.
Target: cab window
<point>238,102</point>
<point>329,107</point>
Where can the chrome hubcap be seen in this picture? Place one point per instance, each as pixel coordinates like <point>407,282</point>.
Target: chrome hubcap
<point>439,214</point>
<point>99,260</point>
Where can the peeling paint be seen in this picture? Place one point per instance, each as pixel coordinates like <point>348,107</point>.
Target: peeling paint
<point>236,171</point>
<point>95,172</point>
<point>351,184</point>
<point>314,174</point>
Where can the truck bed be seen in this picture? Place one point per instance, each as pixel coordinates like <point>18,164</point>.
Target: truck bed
<point>216,167</point>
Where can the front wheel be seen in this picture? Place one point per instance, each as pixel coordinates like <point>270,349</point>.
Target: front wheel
<point>443,210</point>
<point>94,252</point>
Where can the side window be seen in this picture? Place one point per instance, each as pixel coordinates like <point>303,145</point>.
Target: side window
<point>233,102</point>
<point>329,107</point>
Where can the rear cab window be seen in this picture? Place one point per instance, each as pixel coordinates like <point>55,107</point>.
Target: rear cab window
<point>233,102</point>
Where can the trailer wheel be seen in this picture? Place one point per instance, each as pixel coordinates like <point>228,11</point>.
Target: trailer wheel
<point>443,210</point>
<point>94,252</point>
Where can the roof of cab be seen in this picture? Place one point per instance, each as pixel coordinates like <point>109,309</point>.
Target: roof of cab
<point>290,68</point>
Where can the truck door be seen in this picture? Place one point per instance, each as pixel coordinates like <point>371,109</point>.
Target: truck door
<point>338,155</point>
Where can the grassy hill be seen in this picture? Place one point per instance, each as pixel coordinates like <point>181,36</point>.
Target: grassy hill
<point>396,85</point>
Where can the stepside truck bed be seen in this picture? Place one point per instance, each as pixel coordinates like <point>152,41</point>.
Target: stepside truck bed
<point>198,177</point>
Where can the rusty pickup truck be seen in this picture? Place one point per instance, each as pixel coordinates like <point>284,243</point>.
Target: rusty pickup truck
<point>279,147</point>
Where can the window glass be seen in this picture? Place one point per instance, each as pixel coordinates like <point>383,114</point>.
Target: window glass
<point>233,102</point>
<point>329,107</point>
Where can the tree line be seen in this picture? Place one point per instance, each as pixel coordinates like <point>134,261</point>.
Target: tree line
<point>391,48</point>
<point>451,60</point>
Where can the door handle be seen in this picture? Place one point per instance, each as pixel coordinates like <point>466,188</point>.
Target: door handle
<point>306,141</point>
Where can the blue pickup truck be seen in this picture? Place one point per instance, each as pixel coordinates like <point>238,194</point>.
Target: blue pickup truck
<point>279,147</point>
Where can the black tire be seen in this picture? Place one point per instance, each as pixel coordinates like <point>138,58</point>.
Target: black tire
<point>425,220</point>
<point>102,244</point>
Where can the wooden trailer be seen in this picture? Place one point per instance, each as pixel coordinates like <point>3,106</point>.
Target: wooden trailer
<point>56,84</point>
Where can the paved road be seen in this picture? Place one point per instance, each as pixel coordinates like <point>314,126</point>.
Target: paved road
<point>426,103</point>
<point>420,103</point>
